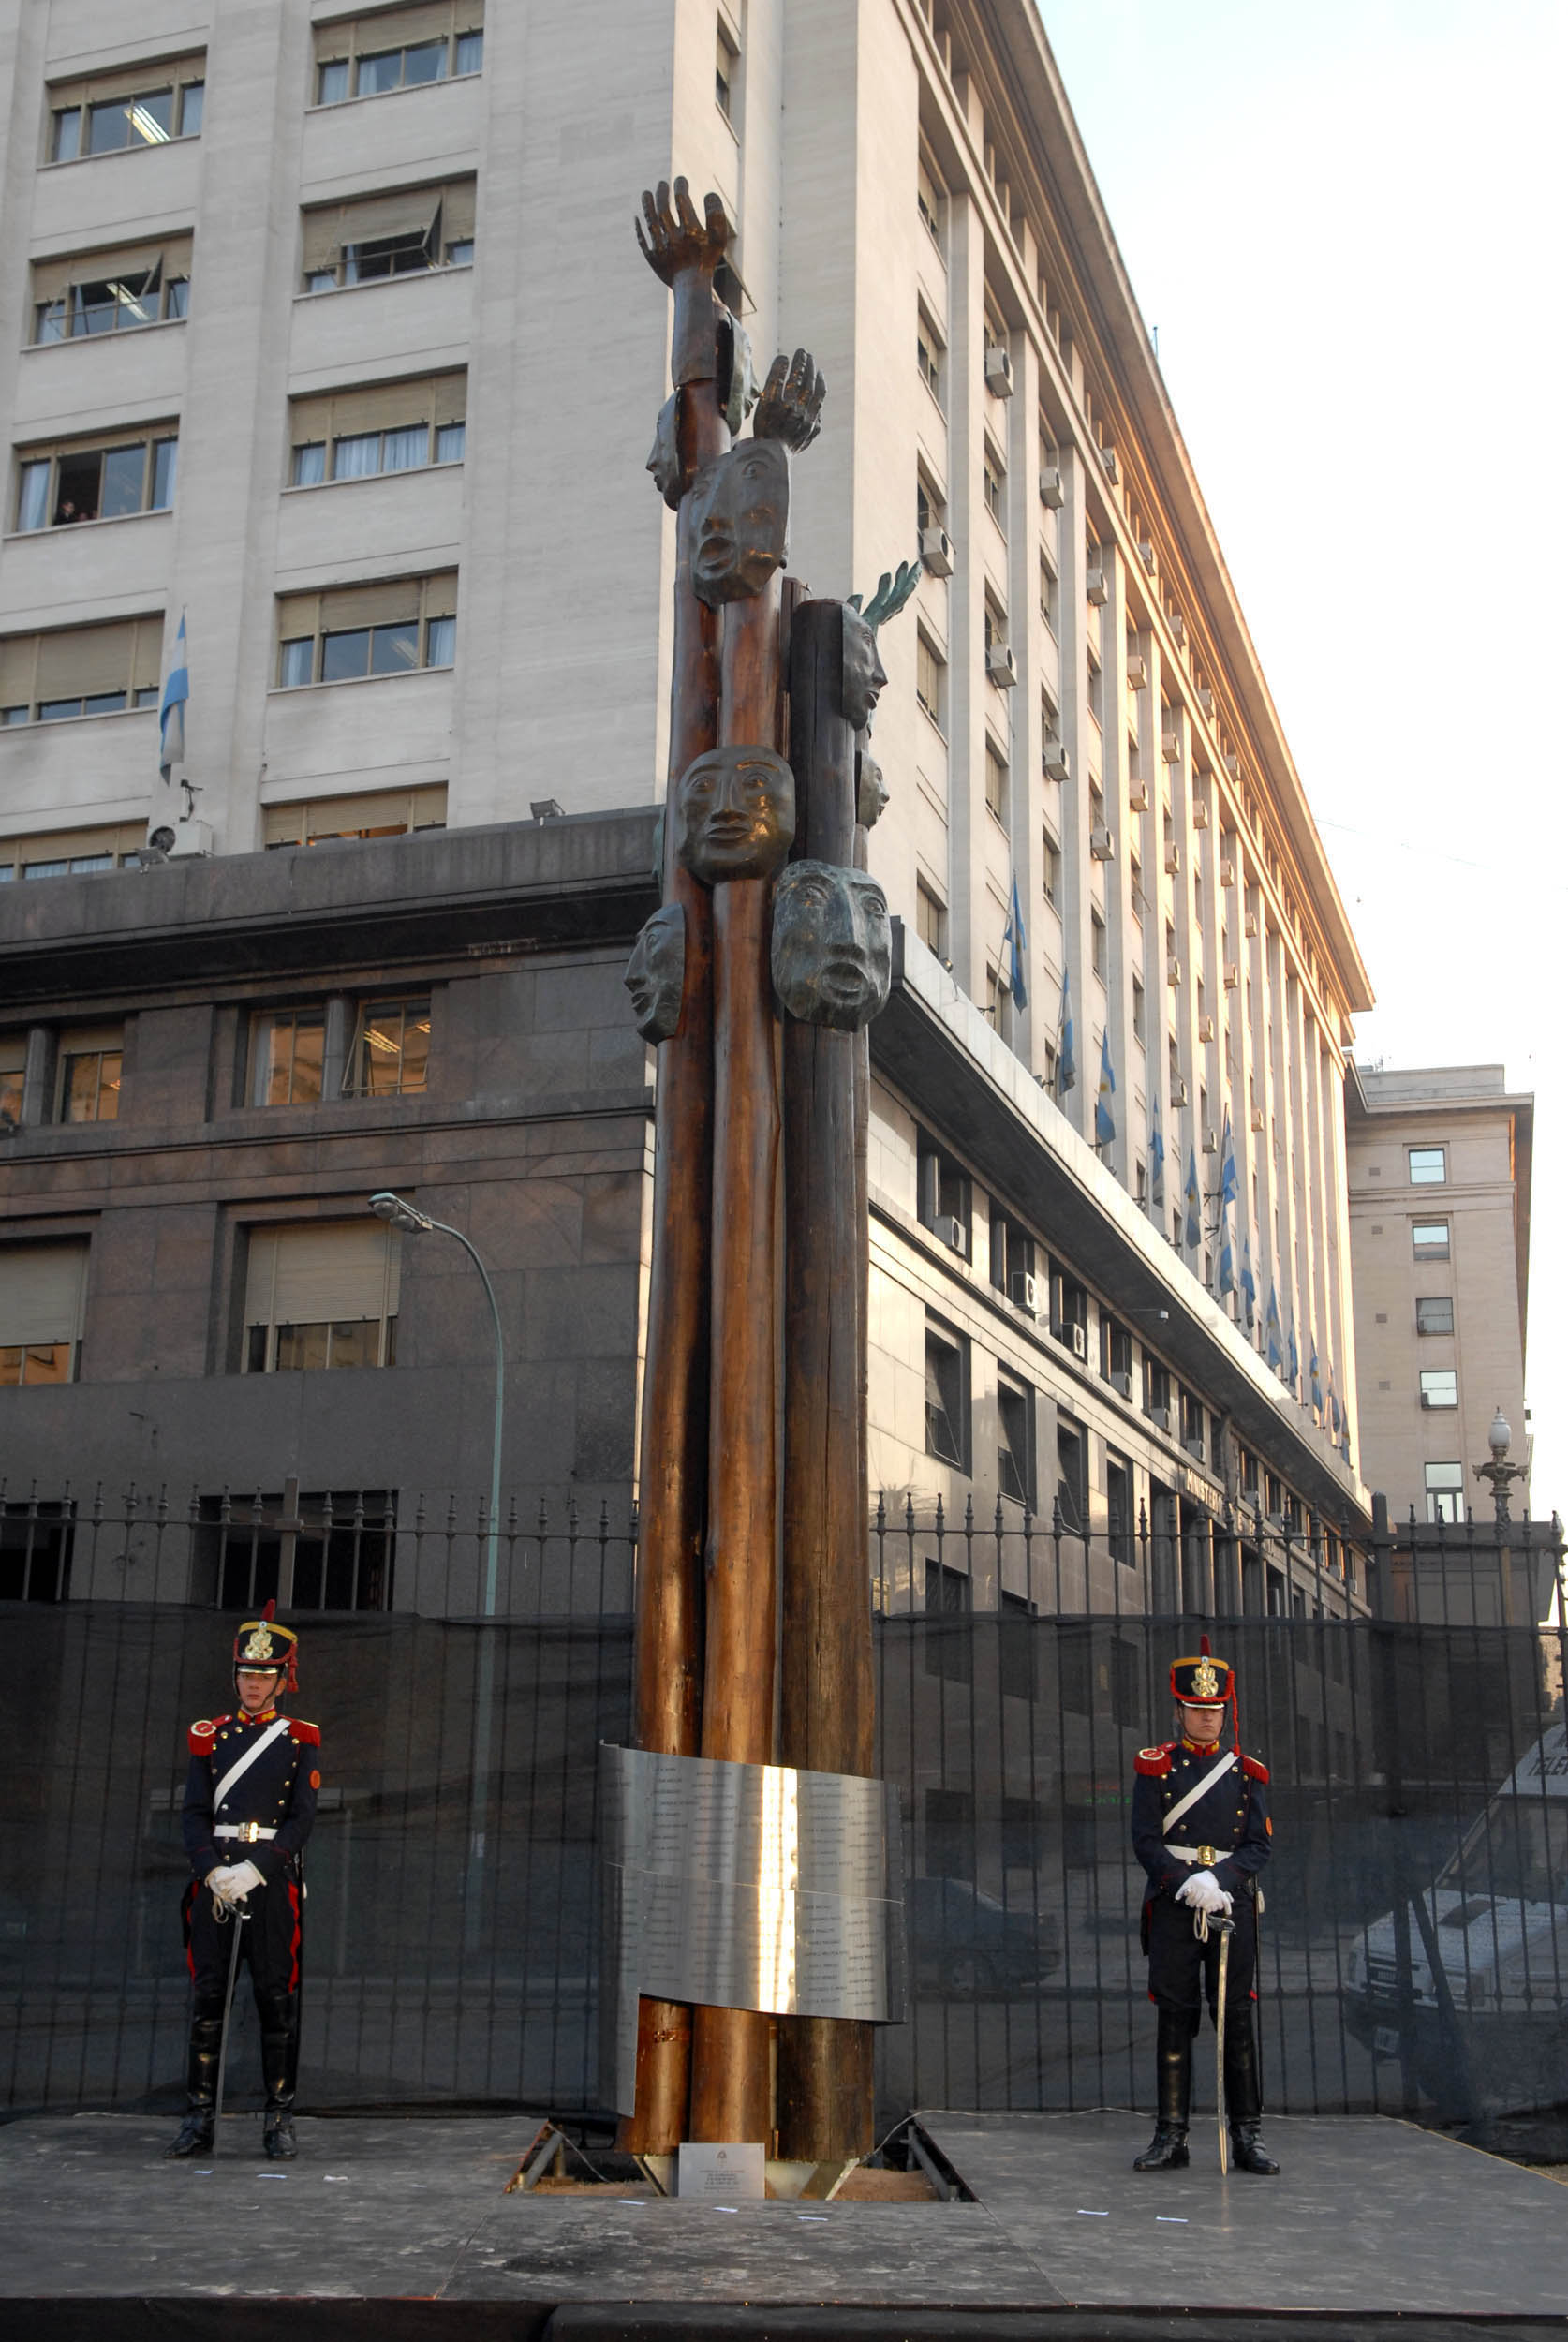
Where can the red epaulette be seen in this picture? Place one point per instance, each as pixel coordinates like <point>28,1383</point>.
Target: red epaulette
<point>203,1734</point>
<point>1254,1769</point>
<point>299,1731</point>
<point>1155,1760</point>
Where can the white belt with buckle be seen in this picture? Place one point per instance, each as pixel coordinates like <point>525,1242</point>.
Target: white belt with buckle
<point>250,1832</point>
<point>1207,1855</point>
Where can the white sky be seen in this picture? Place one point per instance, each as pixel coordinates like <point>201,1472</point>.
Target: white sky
<point>1347,223</point>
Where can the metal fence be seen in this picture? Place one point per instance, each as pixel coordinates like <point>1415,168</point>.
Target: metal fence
<point>1415,1939</point>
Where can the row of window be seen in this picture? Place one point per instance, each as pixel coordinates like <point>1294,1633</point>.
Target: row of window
<point>385,1043</point>
<point>307,822</point>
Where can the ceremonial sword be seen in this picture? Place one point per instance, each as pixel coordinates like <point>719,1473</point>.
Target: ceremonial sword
<point>239,1916</point>
<point>1227,1928</point>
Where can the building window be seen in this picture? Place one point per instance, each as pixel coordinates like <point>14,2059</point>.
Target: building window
<point>99,481</point>
<point>111,293</point>
<point>88,1088</point>
<point>1014,1442</point>
<point>398,49</point>
<point>930,505</point>
<point>1012,1258</point>
<point>999,1003</point>
<point>80,670</point>
<point>1069,1313</point>
<point>995,781</point>
<point>929,355</point>
<point>392,1052</point>
<point>390,426</point>
<point>726,77</point>
<point>285,1047</point>
<point>943,1190</point>
<point>321,1293</point>
<point>1430,1239</point>
<point>42,1291</point>
<point>1434,1314</point>
<point>930,679</point>
<point>1445,1492</point>
<point>1072,1476</point>
<point>993,482</point>
<point>1048,594</point>
<point>930,202</point>
<point>378,813</point>
<point>930,920</point>
<point>351,632</point>
<point>1428,1166</point>
<point>1118,1505</point>
<point>145,106</point>
<point>1050,854</point>
<point>944,1396</point>
<point>949,1813</point>
<point>377,236</point>
<point>1097,944</point>
<point>72,853</point>
<point>13,1070</point>
<point>1440,1387</point>
<point>1140,1013</point>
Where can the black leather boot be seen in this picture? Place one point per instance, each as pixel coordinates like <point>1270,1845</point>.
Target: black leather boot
<point>1173,2055</point>
<point>196,2131</point>
<point>1243,2099</point>
<point>279,2013</point>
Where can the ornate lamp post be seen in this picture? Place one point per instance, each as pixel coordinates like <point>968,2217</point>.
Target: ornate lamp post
<point>1500,1473</point>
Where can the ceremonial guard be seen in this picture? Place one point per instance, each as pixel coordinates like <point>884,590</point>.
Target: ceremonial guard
<point>250,1802</point>
<point>1201,1831</point>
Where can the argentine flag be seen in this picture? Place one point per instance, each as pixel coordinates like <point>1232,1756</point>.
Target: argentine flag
<point>171,713</point>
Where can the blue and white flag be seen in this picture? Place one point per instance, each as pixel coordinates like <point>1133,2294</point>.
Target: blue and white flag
<point>1335,1419</point>
<point>1227,1258</point>
<point>1292,1355</point>
<point>1314,1379</point>
<point>1016,943</point>
<point>1227,1166</point>
<point>172,711</point>
<point>1193,1232</point>
<point>1156,1153</point>
<point>1273,1349</point>
<point>1104,1120</point>
<point>1067,1049</point>
<point>1249,1282</point>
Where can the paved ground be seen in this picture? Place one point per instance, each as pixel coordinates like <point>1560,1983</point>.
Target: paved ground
<point>1371,2215</point>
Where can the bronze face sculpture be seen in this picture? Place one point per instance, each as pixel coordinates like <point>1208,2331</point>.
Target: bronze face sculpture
<point>832,945</point>
<point>655,974</point>
<point>664,460</point>
<point>870,790</point>
<point>863,673</point>
<point>740,521</point>
<point>736,808</point>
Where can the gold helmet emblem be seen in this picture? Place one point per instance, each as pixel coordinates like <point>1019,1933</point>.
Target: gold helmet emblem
<point>1205,1682</point>
<point>260,1645</point>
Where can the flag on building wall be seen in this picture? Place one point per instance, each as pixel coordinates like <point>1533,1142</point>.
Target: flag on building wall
<point>1273,1349</point>
<point>171,711</point>
<point>1228,1191</point>
<point>1335,1419</point>
<point>1314,1379</point>
<point>1016,943</point>
<point>1249,1282</point>
<point>1066,1052</point>
<point>1156,1153</point>
<point>1104,1120</point>
<point>1227,1258</point>
<point>1292,1355</point>
<point>1193,1234</point>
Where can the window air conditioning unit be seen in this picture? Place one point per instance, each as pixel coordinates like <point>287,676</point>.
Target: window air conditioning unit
<point>1103,845</point>
<point>1145,555</point>
<point>1170,747</point>
<point>1194,1447</point>
<point>1211,1139</point>
<point>999,371</point>
<point>1137,797</point>
<point>1001,666</point>
<point>1233,975</point>
<point>951,1231</point>
<point>1257,1118</point>
<point>1173,859</point>
<point>936,551</point>
<point>1232,764</point>
<point>1179,629</point>
<point>1227,872</point>
<point>1108,458</point>
<point>1137,674</point>
<point>1161,1418</point>
<point>1200,812</point>
<point>1051,490</point>
<point>1055,763</point>
<point>1121,1385</point>
<point>1178,1093</point>
<point>1079,1338</point>
<point>1025,1292</point>
<point>1251,926</point>
<point>1172,971</point>
<point>1097,588</point>
<point>1206,1029</point>
<point>1205,701</point>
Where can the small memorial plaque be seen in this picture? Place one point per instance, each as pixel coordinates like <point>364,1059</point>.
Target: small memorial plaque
<point>727,2174</point>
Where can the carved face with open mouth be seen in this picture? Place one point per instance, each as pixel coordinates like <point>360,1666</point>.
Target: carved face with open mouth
<point>740,521</point>
<point>832,945</point>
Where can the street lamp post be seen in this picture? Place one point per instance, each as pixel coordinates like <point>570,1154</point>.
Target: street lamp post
<point>1500,1473</point>
<point>399,1213</point>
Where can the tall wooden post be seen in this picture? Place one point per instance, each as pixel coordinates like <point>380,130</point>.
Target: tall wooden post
<point>731,2090</point>
<point>824,2064</point>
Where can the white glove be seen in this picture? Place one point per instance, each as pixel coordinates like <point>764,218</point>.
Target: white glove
<point>1203,1890</point>
<point>232,1882</point>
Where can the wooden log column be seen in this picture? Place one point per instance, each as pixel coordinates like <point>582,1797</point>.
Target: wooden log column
<point>824,2070</point>
<point>732,2082</point>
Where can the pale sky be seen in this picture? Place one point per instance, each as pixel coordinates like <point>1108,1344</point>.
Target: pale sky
<point>1346,223</point>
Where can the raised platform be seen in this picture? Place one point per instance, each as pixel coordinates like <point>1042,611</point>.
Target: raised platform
<point>401,2227</point>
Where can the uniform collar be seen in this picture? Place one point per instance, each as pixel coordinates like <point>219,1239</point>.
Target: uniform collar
<point>1201,1748</point>
<point>268,1716</point>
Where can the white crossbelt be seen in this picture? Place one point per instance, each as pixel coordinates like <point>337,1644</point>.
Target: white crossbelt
<point>1216,1773</point>
<point>248,1830</point>
<point>263,1740</point>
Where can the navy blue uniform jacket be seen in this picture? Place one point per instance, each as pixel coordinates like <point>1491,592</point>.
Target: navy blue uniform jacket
<point>1232,1816</point>
<point>278,1790</point>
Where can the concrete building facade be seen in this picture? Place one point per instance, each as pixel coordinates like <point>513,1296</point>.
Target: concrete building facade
<point>332,324</point>
<point>1441,1162</point>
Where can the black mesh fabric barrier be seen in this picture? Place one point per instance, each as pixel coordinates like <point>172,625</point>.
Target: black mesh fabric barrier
<point>1415,1943</point>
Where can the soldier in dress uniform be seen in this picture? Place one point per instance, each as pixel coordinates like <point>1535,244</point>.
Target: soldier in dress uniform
<point>250,1802</point>
<point>1201,1831</point>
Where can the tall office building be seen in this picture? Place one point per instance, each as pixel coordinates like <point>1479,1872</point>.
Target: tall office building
<point>1439,1162</point>
<point>330,337</point>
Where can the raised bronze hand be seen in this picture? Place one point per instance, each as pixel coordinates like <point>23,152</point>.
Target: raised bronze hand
<point>677,240</point>
<point>791,405</point>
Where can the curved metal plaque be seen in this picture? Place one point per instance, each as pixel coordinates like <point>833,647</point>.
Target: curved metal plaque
<point>744,1887</point>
